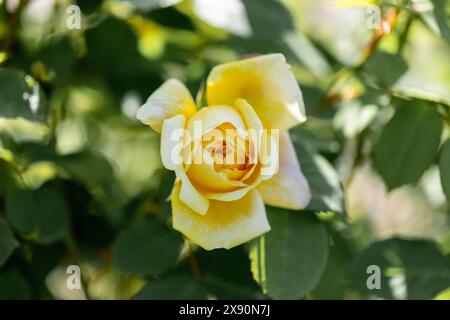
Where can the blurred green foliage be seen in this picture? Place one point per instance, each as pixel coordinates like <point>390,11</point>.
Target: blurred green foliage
<point>81,180</point>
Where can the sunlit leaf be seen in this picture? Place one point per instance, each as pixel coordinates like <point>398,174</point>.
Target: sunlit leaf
<point>283,261</point>
<point>22,130</point>
<point>268,19</point>
<point>326,189</point>
<point>408,144</point>
<point>438,19</point>
<point>444,166</point>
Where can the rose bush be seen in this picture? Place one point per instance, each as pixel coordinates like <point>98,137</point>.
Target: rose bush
<point>223,183</point>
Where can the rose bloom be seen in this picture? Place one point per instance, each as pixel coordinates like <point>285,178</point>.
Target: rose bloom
<point>223,180</point>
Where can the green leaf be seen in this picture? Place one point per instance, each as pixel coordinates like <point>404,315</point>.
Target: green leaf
<point>7,242</point>
<point>87,167</point>
<point>441,12</point>
<point>58,57</point>
<point>44,259</point>
<point>438,20</point>
<point>20,96</point>
<point>268,19</point>
<point>444,166</point>
<point>289,260</point>
<point>385,68</point>
<point>408,144</point>
<point>104,54</point>
<point>326,189</point>
<point>13,286</point>
<point>20,210</point>
<point>8,177</point>
<point>146,247</point>
<point>379,254</point>
<point>52,215</point>
<point>89,6</point>
<point>90,169</point>
<point>41,212</point>
<point>148,5</point>
<point>95,172</point>
<point>425,270</point>
<point>334,280</point>
<point>173,287</point>
<point>223,278</point>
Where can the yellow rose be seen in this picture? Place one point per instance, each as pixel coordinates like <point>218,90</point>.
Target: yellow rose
<point>224,180</point>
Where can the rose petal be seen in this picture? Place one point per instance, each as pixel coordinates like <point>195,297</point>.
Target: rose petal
<point>172,137</point>
<point>289,187</point>
<point>266,82</point>
<point>170,99</point>
<point>209,118</point>
<point>225,225</point>
<point>204,175</point>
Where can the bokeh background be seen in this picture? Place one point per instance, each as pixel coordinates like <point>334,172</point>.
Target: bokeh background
<point>81,180</point>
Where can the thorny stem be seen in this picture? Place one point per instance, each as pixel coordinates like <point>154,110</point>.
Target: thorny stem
<point>387,25</point>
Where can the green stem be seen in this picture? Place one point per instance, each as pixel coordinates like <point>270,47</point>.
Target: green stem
<point>195,267</point>
<point>346,72</point>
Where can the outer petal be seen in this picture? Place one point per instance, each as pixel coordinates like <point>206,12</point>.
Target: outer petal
<point>172,138</point>
<point>270,154</point>
<point>226,224</point>
<point>266,82</point>
<point>289,187</point>
<point>170,99</point>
